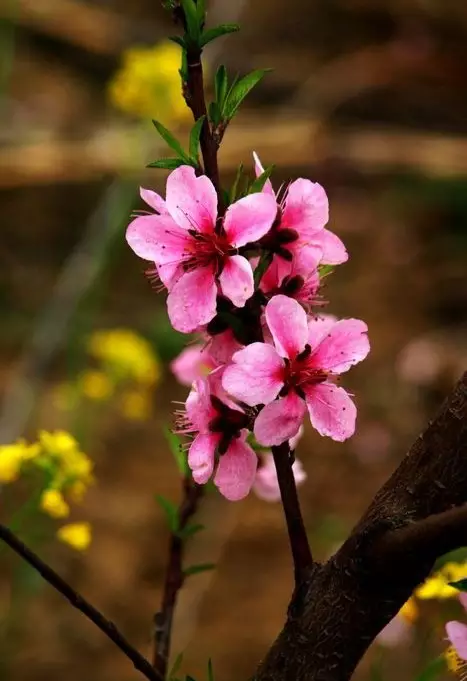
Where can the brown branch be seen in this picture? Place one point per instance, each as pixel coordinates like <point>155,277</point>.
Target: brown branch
<point>419,514</point>
<point>77,601</point>
<point>299,545</point>
<point>174,578</point>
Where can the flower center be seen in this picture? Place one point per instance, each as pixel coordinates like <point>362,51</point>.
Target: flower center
<point>207,249</point>
<point>227,421</point>
<point>300,372</point>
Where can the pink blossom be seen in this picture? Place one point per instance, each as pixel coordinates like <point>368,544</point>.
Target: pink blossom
<point>302,216</point>
<point>457,632</point>
<point>266,485</point>
<point>219,445</point>
<point>192,363</point>
<point>195,255</point>
<point>302,281</point>
<point>298,370</point>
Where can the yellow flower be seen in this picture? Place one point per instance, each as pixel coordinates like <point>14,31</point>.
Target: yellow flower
<point>437,585</point>
<point>95,385</point>
<point>148,84</point>
<point>136,405</point>
<point>53,503</point>
<point>12,457</point>
<point>77,535</point>
<point>58,443</point>
<point>127,355</point>
<point>409,611</point>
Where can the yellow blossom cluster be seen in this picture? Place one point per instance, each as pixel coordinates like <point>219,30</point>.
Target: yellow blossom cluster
<point>126,369</point>
<point>148,84</point>
<point>67,473</point>
<point>437,585</point>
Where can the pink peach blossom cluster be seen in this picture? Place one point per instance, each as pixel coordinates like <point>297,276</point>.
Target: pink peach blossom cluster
<point>247,282</point>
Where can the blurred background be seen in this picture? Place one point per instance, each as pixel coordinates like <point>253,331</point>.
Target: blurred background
<point>367,97</point>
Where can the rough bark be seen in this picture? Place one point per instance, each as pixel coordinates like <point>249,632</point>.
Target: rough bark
<point>419,514</point>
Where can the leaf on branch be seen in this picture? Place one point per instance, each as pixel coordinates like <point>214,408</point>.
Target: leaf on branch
<point>220,86</point>
<point>216,32</point>
<point>178,40</point>
<point>167,163</point>
<point>175,667</point>
<point>261,267</point>
<point>172,142</point>
<point>192,22</point>
<point>210,671</point>
<point>176,448</point>
<point>240,90</point>
<point>201,12</point>
<point>196,569</point>
<point>461,585</point>
<point>325,271</point>
<point>195,135</point>
<point>258,184</point>
<point>433,669</point>
<point>171,512</point>
<point>190,530</point>
<point>234,189</point>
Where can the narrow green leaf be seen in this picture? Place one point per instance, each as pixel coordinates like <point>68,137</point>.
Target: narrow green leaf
<point>190,531</point>
<point>191,17</point>
<point>170,139</point>
<point>210,671</point>
<point>221,83</point>
<point>258,184</point>
<point>183,70</point>
<point>176,666</point>
<point>176,449</point>
<point>178,40</point>
<point>167,163</point>
<point>325,270</point>
<point>261,268</point>
<point>170,510</point>
<point>214,114</point>
<point>241,89</point>
<point>196,569</point>
<point>433,669</point>
<point>201,12</point>
<point>195,134</point>
<point>234,188</point>
<point>216,32</point>
<point>461,585</point>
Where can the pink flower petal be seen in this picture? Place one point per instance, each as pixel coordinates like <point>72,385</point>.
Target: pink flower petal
<point>153,199</point>
<point>287,322</point>
<point>280,420</point>
<point>306,261</point>
<point>345,344</point>
<point>191,200</point>
<point>293,443</point>
<point>334,251</point>
<point>256,377</point>
<point>457,634</point>
<point>318,327</point>
<point>198,407</point>
<point>250,218</point>
<point>201,456</point>
<point>236,280</point>
<point>266,485</point>
<point>222,347</point>
<point>192,363</point>
<point>169,273</point>
<point>236,471</point>
<point>157,238</point>
<point>331,410</point>
<point>259,170</point>
<point>192,301</point>
<point>306,208</point>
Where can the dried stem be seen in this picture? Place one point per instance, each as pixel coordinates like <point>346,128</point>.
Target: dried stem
<point>174,578</point>
<point>77,601</point>
<point>299,545</point>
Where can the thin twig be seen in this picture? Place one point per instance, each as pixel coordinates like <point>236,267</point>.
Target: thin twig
<point>174,577</point>
<point>106,626</point>
<point>299,545</point>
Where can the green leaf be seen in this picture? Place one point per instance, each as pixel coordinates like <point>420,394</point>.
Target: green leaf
<point>214,114</point>
<point>183,70</point>
<point>196,569</point>
<point>176,666</point>
<point>178,40</point>
<point>461,585</point>
<point>234,188</point>
<point>192,21</point>
<point>240,90</point>
<point>220,86</point>
<point>167,163</point>
<point>210,671</point>
<point>258,184</point>
<point>216,32</point>
<point>190,531</point>
<point>201,12</point>
<point>433,669</point>
<point>170,510</point>
<point>170,140</point>
<point>195,134</point>
<point>176,449</point>
<point>261,268</point>
<point>325,270</point>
